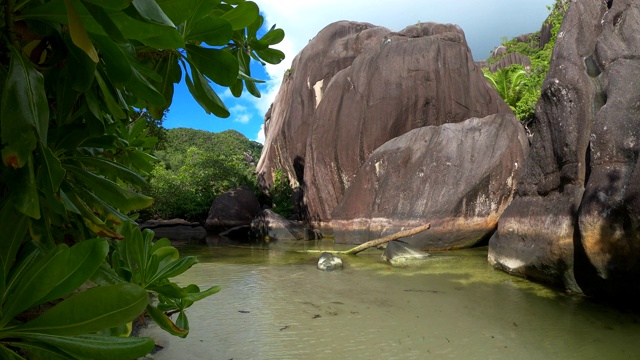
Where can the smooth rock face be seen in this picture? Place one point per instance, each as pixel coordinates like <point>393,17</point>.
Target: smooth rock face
<point>575,218</point>
<point>275,227</point>
<point>422,76</point>
<point>233,208</point>
<point>458,177</point>
<point>289,120</point>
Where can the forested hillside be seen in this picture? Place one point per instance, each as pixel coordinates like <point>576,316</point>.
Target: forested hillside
<point>196,166</point>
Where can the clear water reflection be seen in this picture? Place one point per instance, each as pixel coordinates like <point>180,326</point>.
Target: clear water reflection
<point>276,305</point>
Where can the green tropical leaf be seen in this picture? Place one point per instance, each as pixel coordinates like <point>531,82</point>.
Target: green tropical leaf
<point>165,323</point>
<point>173,269</point>
<point>36,282</point>
<point>78,33</point>
<point>205,96</point>
<point>24,190</point>
<point>212,30</point>
<point>108,167</point>
<point>170,290</point>
<point>197,296</point>
<point>272,56</point>
<point>151,12</point>
<point>24,101</point>
<point>182,321</point>
<point>38,350</point>
<point>98,347</point>
<point>83,260</point>
<point>123,199</point>
<point>51,173</point>
<point>218,65</point>
<point>110,4</point>
<point>14,224</point>
<point>242,15</point>
<point>102,17</point>
<point>117,61</point>
<point>273,37</point>
<point>92,310</point>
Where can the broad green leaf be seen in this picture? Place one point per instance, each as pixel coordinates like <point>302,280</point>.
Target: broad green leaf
<point>14,224</point>
<point>252,30</point>
<point>252,88</point>
<point>8,354</point>
<point>187,10</point>
<point>38,350</point>
<point>51,173</point>
<point>79,68</point>
<point>117,62</point>
<point>242,15</point>
<point>151,12</point>
<point>68,204</point>
<point>34,284</point>
<point>101,207</point>
<point>170,290</point>
<point>113,107</point>
<point>142,160</point>
<point>174,269</point>
<point>17,153</point>
<point>159,36</point>
<point>165,256</point>
<point>272,56</point>
<point>111,4</point>
<point>104,19</point>
<point>119,197</point>
<point>24,191</point>
<point>83,260</point>
<point>105,275</point>
<point>140,86</point>
<point>160,243</point>
<point>182,321</point>
<point>205,96</point>
<point>136,129</point>
<point>108,167</point>
<point>165,323</point>
<point>212,30</point>
<point>24,102</point>
<point>203,294</point>
<point>218,65</point>
<point>92,310</point>
<point>274,36</point>
<point>99,347</point>
<point>78,33</point>
<point>169,69</point>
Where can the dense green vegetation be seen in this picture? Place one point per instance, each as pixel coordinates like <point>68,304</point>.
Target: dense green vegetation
<point>196,166</point>
<point>519,88</point>
<point>74,78</point>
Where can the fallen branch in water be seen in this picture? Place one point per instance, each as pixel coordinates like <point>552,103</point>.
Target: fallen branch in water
<point>379,241</point>
<point>386,239</point>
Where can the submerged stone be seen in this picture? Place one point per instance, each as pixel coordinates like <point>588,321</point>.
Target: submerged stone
<point>400,254</point>
<point>329,262</point>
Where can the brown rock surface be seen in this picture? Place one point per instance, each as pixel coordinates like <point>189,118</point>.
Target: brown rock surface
<point>458,177</point>
<point>575,218</point>
<point>233,208</point>
<point>422,76</point>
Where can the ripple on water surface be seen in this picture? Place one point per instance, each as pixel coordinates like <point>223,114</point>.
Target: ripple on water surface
<point>275,304</point>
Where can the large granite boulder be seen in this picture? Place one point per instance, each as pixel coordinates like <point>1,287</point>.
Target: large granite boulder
<point>288,121</point>
<point>459,177</point>
<point>421,76</point>
<point>231,209</point>
<point>575,218</point>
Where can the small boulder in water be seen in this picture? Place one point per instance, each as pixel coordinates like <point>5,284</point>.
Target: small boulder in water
<point>329,262</point>
<point>398,253</point>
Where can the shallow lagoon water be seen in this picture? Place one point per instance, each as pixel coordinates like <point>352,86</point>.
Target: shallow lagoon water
<point>275,304</point>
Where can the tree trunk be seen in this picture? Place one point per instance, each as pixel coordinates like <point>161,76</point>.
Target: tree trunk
<point>386,239</point>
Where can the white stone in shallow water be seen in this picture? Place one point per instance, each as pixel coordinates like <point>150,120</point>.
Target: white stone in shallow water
<point>329,262</point>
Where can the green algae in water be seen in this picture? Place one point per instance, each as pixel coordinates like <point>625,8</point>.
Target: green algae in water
<point>275,304</point>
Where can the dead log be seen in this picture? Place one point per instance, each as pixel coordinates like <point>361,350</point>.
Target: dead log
<point>386,239</point>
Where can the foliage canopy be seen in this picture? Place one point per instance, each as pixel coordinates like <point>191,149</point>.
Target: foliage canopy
<point>72,75</point>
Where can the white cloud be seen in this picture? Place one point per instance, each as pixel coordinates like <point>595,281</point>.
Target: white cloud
<point>260,136</point>
<point>242,118</point>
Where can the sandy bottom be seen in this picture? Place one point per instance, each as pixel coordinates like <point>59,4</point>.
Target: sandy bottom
<point>275,304</point>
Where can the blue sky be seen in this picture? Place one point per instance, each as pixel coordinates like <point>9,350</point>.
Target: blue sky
<point>484,23</point>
